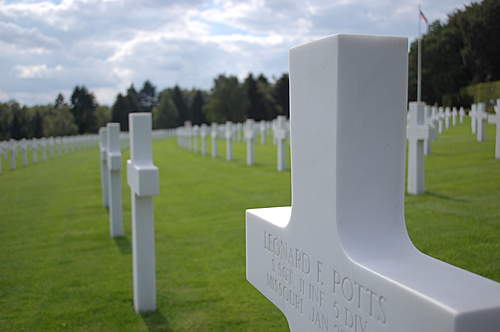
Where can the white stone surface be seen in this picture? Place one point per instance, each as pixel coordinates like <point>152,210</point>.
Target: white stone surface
<point>196,132</point>
<point>143,179</point>
<point>473,121</point>
<point>461,114</point>
<point>13,148</point>
<point>114,159</point>
<point>203,135</point>
<point>280,134</point>
<point>214,134</point>
<point>103,143</point>
<point>249,130</point>
<point>340,258</point>
<point>447,115</point>
<point>417,133</point>
<point>441,120</point>
<point>229,132</point>
<point>481,117</point>
<point>263,132</point>
<point>495,120</point>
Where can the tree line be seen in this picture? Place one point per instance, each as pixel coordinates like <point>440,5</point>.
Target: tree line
<point>458,53</point>
<point>229,99</point>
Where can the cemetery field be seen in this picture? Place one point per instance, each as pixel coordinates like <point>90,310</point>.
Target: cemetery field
<point>60,270</point>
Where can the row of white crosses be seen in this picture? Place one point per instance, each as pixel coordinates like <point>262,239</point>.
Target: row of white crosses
<point>143,180</point>
<point>189,137</point>
<point>340,258</point>
<point>44,148</point>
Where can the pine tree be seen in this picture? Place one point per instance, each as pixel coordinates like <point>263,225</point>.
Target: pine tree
<point>197,108</point>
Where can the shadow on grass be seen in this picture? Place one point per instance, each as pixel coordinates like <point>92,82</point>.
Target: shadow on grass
<point>123,244</point>
<point>155,321</point>
<point>441,196</point>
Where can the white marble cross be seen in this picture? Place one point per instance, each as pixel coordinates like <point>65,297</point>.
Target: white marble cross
<point>103,143</point>
<point>280,133</point>
<point>249,132</point>
<point>196,132</point>
<point>34,150</point>
<point>340,259</point>
<point>143,179</point>
<point>473,121</point>
<point>263,131</point>
<point>481,116</point>
<point>229,132</point>
<point>43,144</point>
<point>214,135</point>
<point>51,147</point>
<point>430,123</point>
<point>440,120</point>
<point>495,119</point>
<point>417,133</point>
<point>447,115</point>
<point>114,160</point>
<point>461,114</point>
<point>24,152</point>
<point>13,148</point>
<point>204,134</point>
<point>454,114</point>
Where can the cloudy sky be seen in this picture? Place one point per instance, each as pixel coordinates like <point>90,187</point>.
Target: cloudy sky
<point>49,46</point>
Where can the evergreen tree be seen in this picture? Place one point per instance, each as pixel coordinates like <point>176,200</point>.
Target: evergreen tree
<point>147,97</point>
<point>281,94</point>
<point>165,114</point>
<point>180,105</point>
<point>59,102</point>
<point>120,111</point>
<point>197,113</point>
<point>132,100</point>
<point>83,108</point>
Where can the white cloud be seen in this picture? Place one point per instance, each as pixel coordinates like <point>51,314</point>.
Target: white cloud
<point>37,71</point>
<point>48,46</point>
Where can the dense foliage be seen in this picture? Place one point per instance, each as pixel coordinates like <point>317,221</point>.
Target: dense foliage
<point>461,52</point>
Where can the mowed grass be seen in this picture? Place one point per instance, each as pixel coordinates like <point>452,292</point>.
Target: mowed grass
<point>61,271</point>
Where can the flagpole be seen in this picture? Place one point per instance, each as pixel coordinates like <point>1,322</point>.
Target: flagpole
<point>419,66</point>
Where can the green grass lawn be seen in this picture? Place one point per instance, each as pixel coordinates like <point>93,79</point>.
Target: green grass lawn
<point>61,271</point>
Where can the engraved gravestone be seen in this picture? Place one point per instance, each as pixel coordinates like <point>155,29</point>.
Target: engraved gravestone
<point>280,132</point>
<point>13,147</point>
<point>214,135</point>
<point>263,130</point>
<point>143,179</point>
<point>417,133</point>
<point>447,115</point>
<point>249,138</point>
<point>103,139</point>
<point>473,122</point>
<point>440,120</point>
<point>203,134</point>
<point>196,132</point>
<point>495,120</point>
<point>481,117</point>
<point>114,160</point>
<point>340,258</point>
<point>229,132</point>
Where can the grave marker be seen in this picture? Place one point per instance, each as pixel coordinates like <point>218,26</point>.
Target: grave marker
<point>114,160</point>
<point>249,138</point>
<point>447,115</point>
<point>280,132</point>
<point>214,135</point>
<point>204,134</point>
<point>143,179</point>
<point>495,119</point>
<point>229,140</point>
<point>473,122</point>
<point>196,129</point>
<point>263,131</point>
<point>340,258</point>
<point>454,114</point>
<point>103,138</point>
<point>481,116</point>
<point>461,114</point>
<point>13,146</point>
<point>440,121</point>
<point>417,133</point>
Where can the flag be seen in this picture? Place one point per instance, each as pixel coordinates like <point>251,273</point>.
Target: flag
<point>422,16</point>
